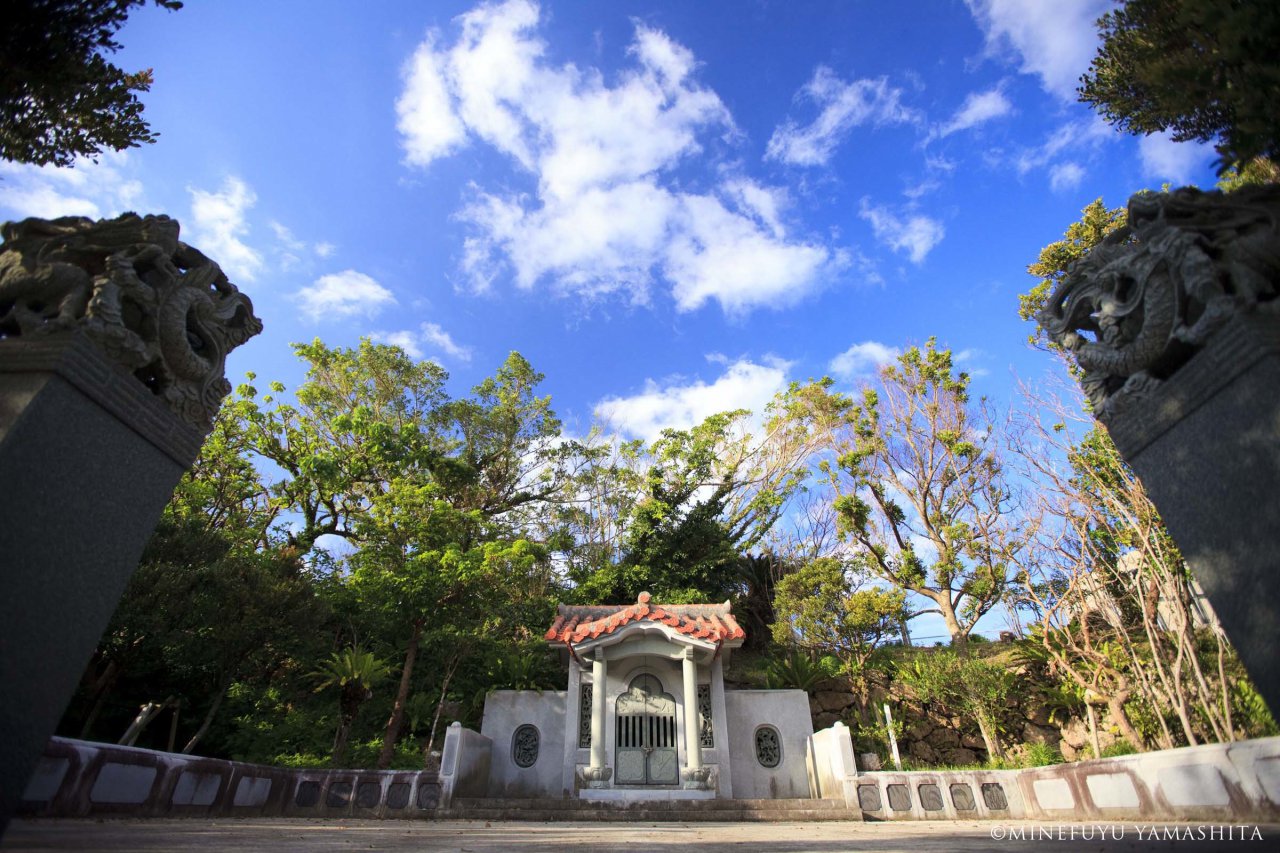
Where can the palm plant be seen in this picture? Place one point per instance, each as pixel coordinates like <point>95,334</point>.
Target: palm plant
<point>354,671</point>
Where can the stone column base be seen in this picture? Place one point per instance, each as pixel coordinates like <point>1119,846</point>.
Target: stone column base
<point>695,778</point>
<point>597,777</point>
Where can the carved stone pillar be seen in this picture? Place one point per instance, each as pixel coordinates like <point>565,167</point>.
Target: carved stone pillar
<point>113,339</point>
<point>694,774</point>
<point>1175,324</point>
<point>599,772</point>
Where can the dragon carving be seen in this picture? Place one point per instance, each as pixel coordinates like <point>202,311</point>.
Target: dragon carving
<point>1142,302</point>
<point>150,302</point>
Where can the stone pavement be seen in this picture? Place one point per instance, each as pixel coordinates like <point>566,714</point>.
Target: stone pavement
<point>282,834</point>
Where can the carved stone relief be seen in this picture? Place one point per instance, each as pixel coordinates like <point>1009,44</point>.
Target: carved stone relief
<point>1140,304</point>
<point>149,302</point>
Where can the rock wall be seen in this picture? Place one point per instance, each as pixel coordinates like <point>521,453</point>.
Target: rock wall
<point>930,736</point>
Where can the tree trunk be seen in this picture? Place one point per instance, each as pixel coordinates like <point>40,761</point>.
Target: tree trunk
<point>396,722</point>
<point>208,719</point>
<point>1115,704</point>
<point>146,714</point>
<point>102,689</point>
<point>340,740</point>
<point>1093,730</point>
<point>989,737</point>
<point>444,692</point>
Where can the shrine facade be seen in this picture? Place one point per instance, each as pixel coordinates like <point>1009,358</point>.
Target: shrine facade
<point>645,714</point>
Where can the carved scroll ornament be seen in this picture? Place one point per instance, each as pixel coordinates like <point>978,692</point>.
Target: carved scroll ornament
<point>1140,304</point>
<point>151,303</point>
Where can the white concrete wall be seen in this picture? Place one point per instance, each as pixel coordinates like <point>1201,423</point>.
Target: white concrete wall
<point>464,765</point>
<point>832,771</point>
<point>504,712</point>
<point>788,712</point>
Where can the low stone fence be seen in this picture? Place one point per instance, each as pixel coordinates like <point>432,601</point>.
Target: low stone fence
<point>1221,782</point>
<point>77,778</point>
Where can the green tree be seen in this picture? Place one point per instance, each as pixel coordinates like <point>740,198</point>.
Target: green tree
<point>676,517</point>
<point>59,97</point>
<point>967,685</point>
<point>921,490</point>
<point>1205,69</point>
<point>826,607</point>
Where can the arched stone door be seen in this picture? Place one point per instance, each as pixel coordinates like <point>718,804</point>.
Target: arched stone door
<point>646,735</point>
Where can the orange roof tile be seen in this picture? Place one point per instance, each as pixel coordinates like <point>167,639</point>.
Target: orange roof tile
<point>712,622</point>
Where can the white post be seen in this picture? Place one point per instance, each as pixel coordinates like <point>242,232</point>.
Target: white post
<point>893,740</point>
<point>598,774</point>
<point>695,775</point>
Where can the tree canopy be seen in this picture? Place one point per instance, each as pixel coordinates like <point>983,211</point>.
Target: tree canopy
<point>59,97</point>
<point>1206,69</point>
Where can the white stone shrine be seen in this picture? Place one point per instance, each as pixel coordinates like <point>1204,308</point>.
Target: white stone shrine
<point>646,715</point>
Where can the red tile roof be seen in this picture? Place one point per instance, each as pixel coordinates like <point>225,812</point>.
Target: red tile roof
<point>711,622</point>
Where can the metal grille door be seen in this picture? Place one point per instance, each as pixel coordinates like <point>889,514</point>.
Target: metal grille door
<point>646,735</point>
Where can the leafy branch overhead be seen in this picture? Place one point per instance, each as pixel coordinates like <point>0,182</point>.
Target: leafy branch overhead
<point>59,97</point>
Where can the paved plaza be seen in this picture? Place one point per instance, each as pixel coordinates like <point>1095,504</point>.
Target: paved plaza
<point>280,834</point>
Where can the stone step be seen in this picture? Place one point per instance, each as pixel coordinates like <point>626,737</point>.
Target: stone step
<point>642,815</point>
<point>690,811</point>
<point>569,804</point>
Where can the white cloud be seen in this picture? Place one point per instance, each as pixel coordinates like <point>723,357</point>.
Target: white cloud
<point>916,234</point>
<point>1055,41</point>
<point>439,338</point>
<point>407,341</point>
<point>324,250</point>
<point>1075,138</point>
<point>218,226</point>
<point>1065,176</point>
<point>429,334</point>
<point>844,106</point>
<point>726,256</point>
<point>743,385</point>
<point>978,108</point>
<point>285,236</point>
<point>424,115</point>
<point>862,360</point>
<point>1175,162</point>
<point>966,359</point>
<point>607,217</point>
<point>345,294</point>
<point>96,190</point>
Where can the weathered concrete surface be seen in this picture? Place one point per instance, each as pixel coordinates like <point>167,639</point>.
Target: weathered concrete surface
<point>307,836</point>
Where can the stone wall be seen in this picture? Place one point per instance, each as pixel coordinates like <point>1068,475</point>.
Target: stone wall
<point>930,737</point>
<point>77,778</point>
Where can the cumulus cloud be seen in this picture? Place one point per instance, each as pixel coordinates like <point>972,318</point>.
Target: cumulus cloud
<point>1065,176</point>
<point>1175,162</point>
<point>96,190</point>
<point>862,361</point>
<point>342,295</point>
<point>978,108</point>
<point>1055,41</point>
<point>218,227</point>
<point>607,218</point>
<point>913,233</point>
<point>430,335</point>
<point>679,405</point>
<point>843,106</point>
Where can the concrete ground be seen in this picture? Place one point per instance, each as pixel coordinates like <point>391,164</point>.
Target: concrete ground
<point>282,834</point>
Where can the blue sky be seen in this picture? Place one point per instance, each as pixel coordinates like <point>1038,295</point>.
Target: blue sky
<point>670,209</point>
